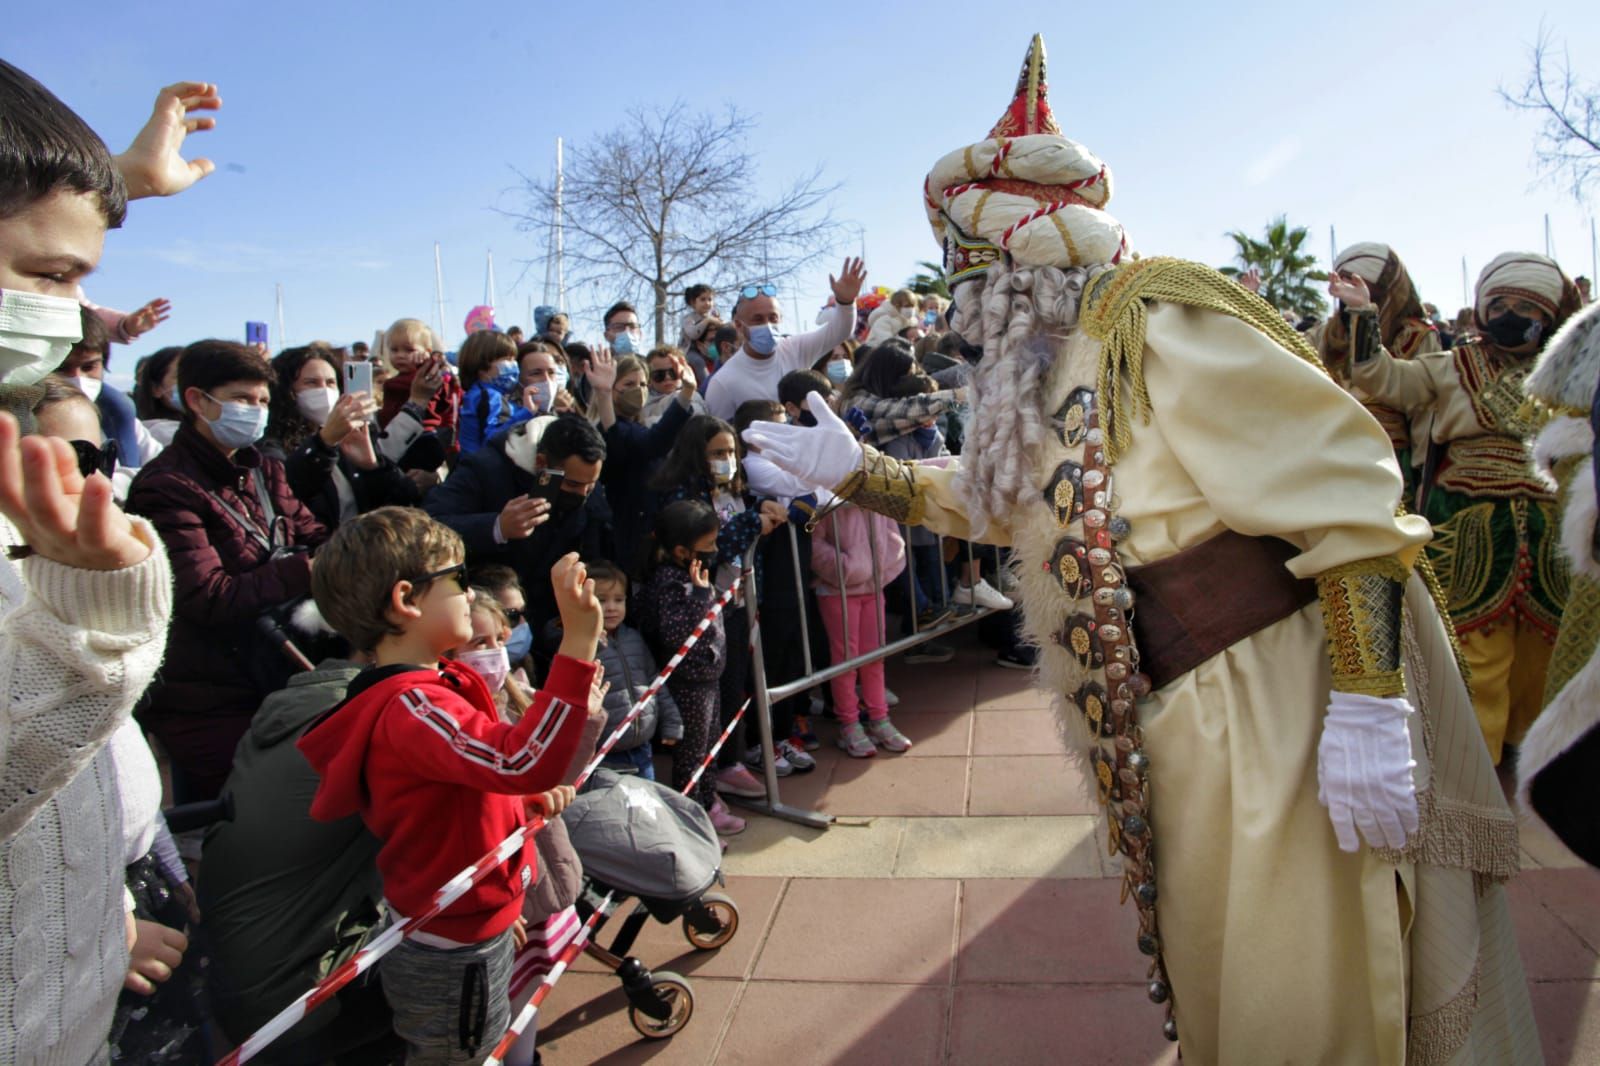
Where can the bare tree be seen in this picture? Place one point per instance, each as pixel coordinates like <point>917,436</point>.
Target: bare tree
<point>669,198</point>
<point>1567,148</point>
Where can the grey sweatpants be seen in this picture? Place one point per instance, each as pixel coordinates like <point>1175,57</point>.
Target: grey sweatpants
<point>449,1004</point>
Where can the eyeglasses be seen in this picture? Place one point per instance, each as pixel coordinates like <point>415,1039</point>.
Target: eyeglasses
<point>458,572</point>
<point>670,374</point>
<point>92,458</point>
<point>750,292</point>
<point>513,615</point>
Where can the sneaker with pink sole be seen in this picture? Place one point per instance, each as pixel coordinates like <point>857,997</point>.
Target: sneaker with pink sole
<point>853,739</point>
<point>737,781</point>
<point>724,821</point>
<point>887,737</point>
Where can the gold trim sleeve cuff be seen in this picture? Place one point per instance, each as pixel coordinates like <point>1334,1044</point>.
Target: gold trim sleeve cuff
<point>1361,610</point>
<point>886,485</point>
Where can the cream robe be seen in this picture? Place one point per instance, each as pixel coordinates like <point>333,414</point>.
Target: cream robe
<point>1280,947</point>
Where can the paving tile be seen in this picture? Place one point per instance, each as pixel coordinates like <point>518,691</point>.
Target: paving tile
<point>1047,932</point>
<point>1550,951</point>
<point>586,1020</point>
<point>1083,1025</point>
<point>1009,690</point>
<point>835,1023</point>
<point>770,847</point>
<point>897,785</point>
<point>664,947</point>
<point>1057,846</point>
<point>936,733</point>
<point>1028,784</point>
<point>923,688</point>
<point>1572,896</point>
<point>845,929</point>
<point>1545,848</point>
<point>1026,732</point>
<point>1568,1015</point>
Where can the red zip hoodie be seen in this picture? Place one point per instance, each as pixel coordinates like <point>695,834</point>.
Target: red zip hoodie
<point>422,756</point>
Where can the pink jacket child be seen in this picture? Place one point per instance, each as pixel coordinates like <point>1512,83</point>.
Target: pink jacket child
<point>842,538</point>
<point>854,620</point>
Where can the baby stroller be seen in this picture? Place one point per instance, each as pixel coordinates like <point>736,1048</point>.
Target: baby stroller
<point>643,840</point>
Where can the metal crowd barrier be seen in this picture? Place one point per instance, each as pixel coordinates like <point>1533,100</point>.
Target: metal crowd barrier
<point>765,696</point>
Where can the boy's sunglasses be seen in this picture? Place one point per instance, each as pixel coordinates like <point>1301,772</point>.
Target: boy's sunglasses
<point>664,375</point>
<point>458,572</point>
<point>750,292</point>
<point>91,458</point>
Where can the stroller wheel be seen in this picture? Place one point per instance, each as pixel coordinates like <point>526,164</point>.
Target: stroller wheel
<point>676,999</point>
<point>712,922</point>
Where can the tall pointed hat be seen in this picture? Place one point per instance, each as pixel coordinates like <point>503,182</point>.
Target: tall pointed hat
<point>1026,190</point>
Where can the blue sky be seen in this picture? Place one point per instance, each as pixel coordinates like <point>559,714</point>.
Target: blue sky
<point>353,136</point>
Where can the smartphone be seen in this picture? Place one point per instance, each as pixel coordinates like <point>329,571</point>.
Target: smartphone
<point>357,377</point>
<point>255,333</point>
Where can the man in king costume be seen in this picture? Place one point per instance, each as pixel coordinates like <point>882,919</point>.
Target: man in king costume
<point>1228,611</point>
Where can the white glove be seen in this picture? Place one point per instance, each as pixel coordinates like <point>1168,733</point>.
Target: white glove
<point>1364,769</point>
<point>822,455</point>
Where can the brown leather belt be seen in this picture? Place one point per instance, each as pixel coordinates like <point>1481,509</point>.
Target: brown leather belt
<point>1205,599</point>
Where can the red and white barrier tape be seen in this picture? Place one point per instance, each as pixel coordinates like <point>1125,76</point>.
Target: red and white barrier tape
<point>712,754</point>
<point>570,952</point>
<point>457,886</point>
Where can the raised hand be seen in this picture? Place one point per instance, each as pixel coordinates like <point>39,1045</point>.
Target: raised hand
<point>137,323</point>
<point>1251,279</point>
<point>1350,290</point>
<point>154,165</point>
<point>602,372</point>
<point>428,379</point>
<point>698,574</point>
<point>687,382</point>
<point>582,621</point>
<point>847,286</point>
<point>60,514</point>
<point>352,412</point>
<point>522,515</point>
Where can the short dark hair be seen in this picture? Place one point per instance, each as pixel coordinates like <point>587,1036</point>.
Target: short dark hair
<point>577,352</point>
<point>752,411</point>
<point>480,351</point>
<point>679,525</point>
<point>603,571</point>
<point>96,338</point>
<point>617,309</point>
<point>796,385</point>
<point>694,292</point>
<point>207,365</point>
<point>496,577</point>
<point>572,435</point>
<point>725,335</point>
<point>360,346</point>
<point>45,146</point>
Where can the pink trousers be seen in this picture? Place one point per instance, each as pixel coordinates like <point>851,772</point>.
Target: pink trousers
<point>865,614</point>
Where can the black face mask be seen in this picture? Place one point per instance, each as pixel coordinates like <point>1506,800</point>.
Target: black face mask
<point>707,560</point>
<point>1511,330</point>
<point>807,418</point>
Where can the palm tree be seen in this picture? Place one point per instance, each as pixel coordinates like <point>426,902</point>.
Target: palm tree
<point>1287,273</point>
<point>930,280</point>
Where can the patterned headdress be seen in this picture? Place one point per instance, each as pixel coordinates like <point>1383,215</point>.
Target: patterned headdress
<point>1025,190</point>
<point>1379,266</point>
<point>1527,276</point>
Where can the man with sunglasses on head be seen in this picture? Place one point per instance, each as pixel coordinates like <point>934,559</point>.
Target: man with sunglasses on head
<point>765,355</point>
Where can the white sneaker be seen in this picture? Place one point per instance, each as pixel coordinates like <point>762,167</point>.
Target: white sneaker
<point>752,759</point>
<point>981,594</point>
<point>797,757</point>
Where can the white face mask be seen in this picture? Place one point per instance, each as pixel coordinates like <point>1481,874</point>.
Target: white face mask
<point>36,333</point>
<point>89,386</point>
<point>724,469</point>
<point>316,404</point>
<point>492,664</point>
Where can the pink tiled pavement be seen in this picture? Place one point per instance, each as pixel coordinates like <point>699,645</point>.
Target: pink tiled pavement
<point>974,970</point>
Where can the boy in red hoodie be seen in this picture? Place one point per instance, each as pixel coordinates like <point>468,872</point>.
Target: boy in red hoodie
<point>419,751</point>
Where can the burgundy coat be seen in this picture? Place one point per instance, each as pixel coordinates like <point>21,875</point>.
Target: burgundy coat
<point>224,579</point>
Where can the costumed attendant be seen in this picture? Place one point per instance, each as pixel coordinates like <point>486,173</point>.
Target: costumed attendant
<point>1403,327</point>
<point>1494,521</point>
<point>1557,768</point>
<point>1230,614</point>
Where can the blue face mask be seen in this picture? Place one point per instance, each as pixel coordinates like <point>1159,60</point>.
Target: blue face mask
<point>762,340</point>
<point>622,344</point>
<point>175,398</point>
<point>925,436</point>
<point>239,425</point>
<point>838,371</point>
<point>506,379</point>
<point>520,643</point>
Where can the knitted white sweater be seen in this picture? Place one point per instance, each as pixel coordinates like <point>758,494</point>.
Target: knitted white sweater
<point>77,647</point>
